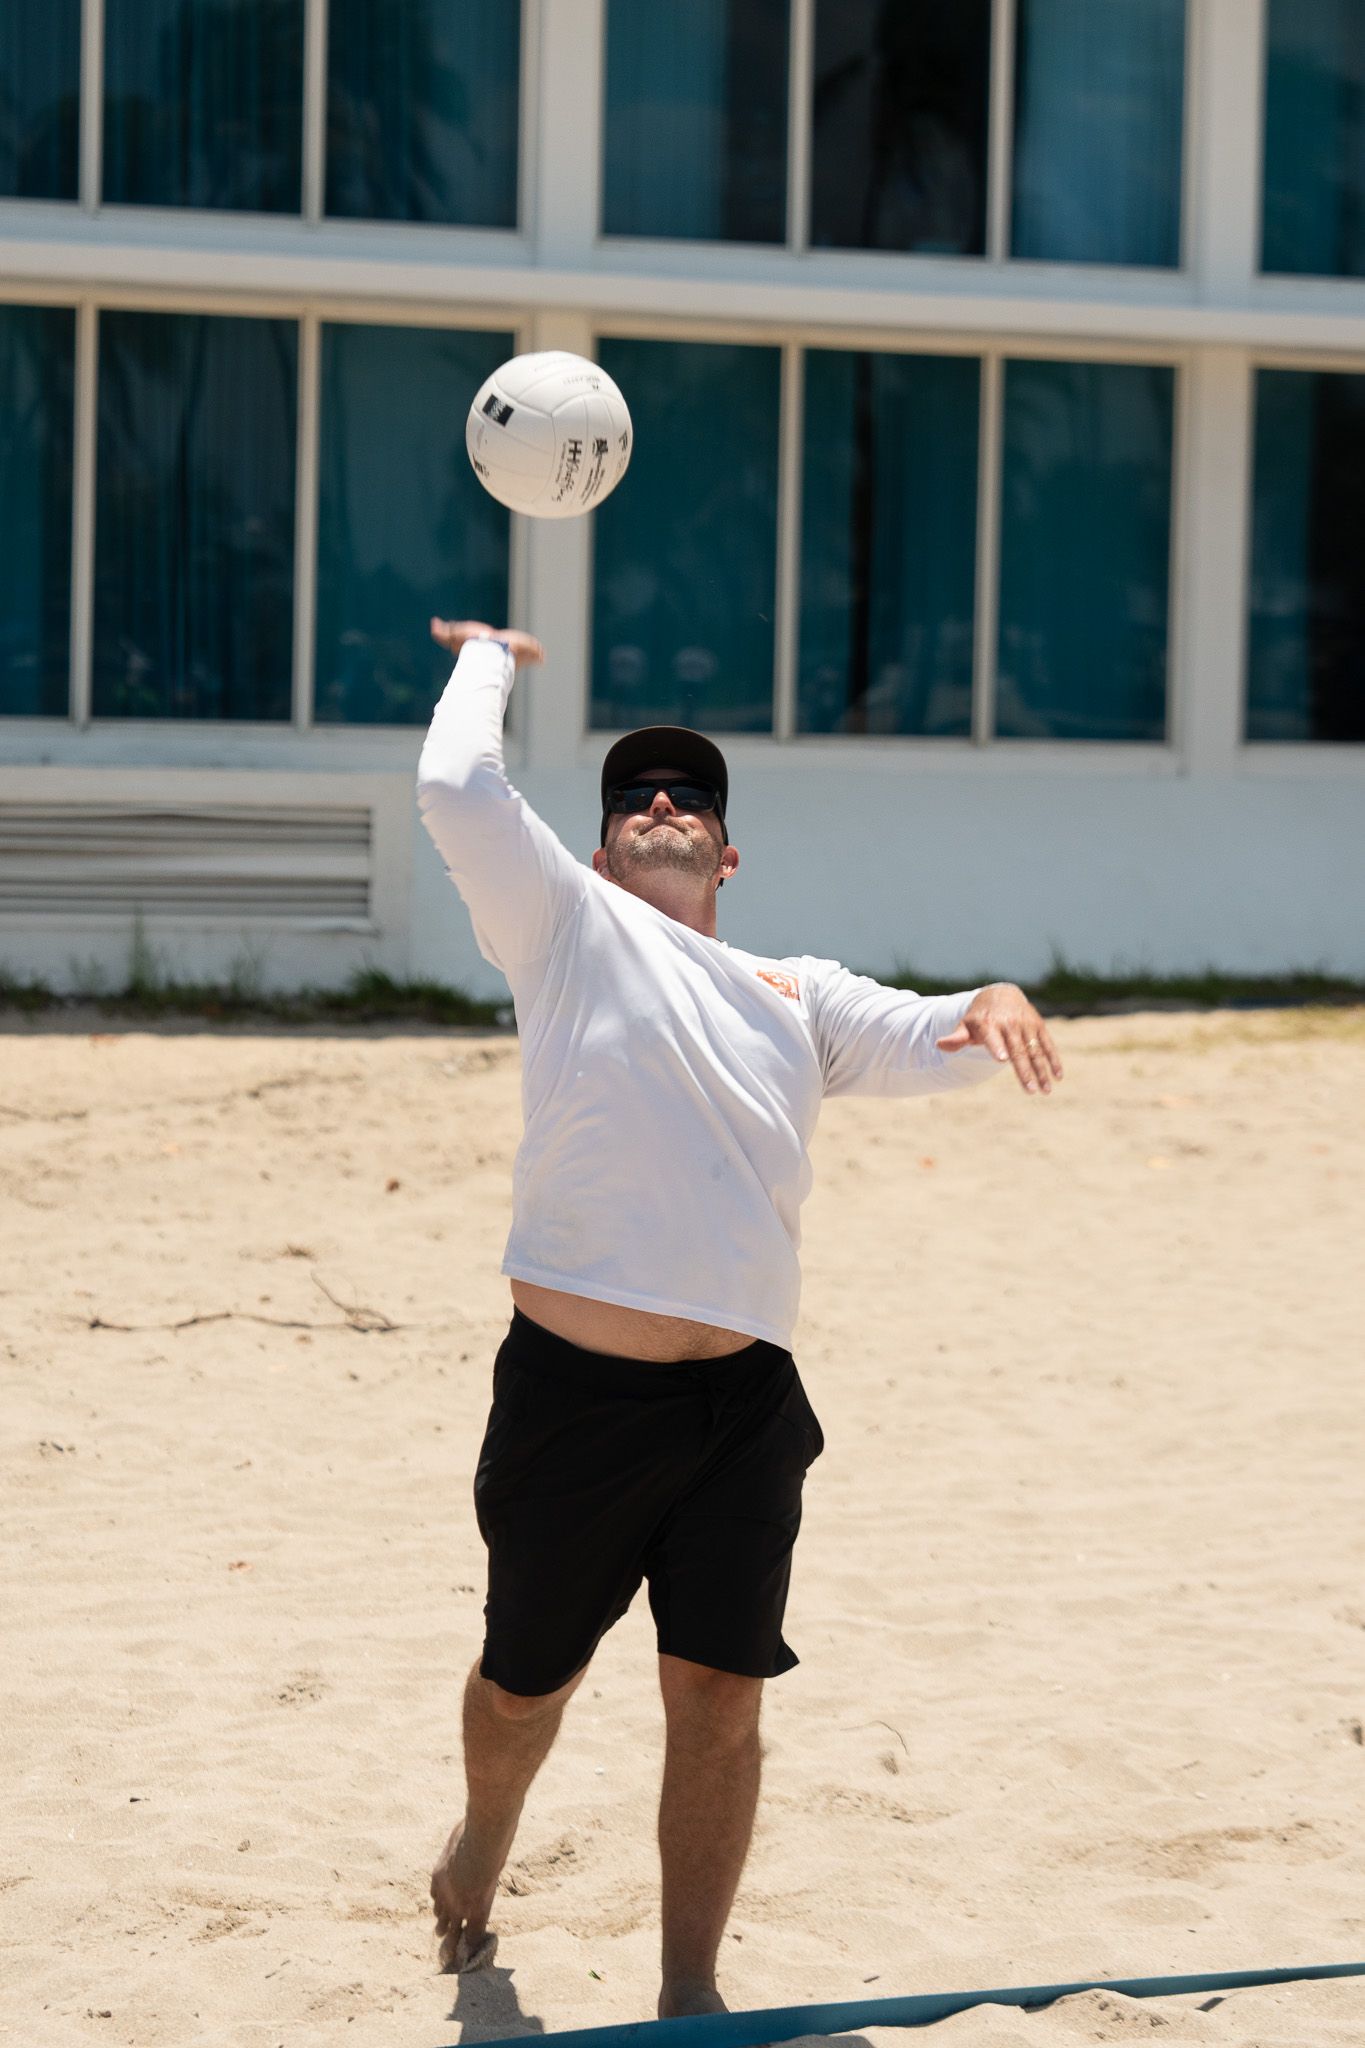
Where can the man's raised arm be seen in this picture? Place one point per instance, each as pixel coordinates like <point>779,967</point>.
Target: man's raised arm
<point>517,880</point>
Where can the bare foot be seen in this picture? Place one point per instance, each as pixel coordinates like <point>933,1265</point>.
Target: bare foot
<point>462,1899</point>
<point>685,1998</point>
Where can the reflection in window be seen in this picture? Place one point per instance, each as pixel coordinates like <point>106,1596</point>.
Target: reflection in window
<point>695,131</point>
<point>1306,655</point>
<point>1084,553</point>
<point>194,516</point>
<point>203,104</point>
<point>1314,194</point>
<point>422,110</point>
<point>40,89</point>
<point>685,549</point>
<point>37,378</point>
<point>900,120</point>
<point>888,543</point>
<point>404,525</point>
<point>1099,94</point>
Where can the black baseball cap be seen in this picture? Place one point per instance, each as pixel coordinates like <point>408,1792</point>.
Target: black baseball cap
<point>652,746</point>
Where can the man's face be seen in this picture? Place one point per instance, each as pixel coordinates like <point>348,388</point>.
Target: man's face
<point>663,837</point>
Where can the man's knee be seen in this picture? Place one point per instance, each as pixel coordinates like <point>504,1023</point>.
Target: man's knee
<point>521,1706</point>
<point>722,1705</point>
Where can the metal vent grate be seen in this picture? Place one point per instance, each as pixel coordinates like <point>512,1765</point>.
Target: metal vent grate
<point>190,861</point>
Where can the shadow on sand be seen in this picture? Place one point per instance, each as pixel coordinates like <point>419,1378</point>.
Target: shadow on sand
<point>487,2008</point>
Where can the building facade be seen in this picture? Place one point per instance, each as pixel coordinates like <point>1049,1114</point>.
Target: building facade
<point>998,380</point>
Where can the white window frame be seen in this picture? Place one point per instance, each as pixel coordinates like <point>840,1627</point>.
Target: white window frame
<point>191,734</point>
<point>849,264</point>
<point>924,750</point>
<point>1273,757</point>
<point>222,226</point>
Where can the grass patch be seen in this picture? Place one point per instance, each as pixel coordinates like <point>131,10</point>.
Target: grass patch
<point>369,998</point>
<point>1081,991</point>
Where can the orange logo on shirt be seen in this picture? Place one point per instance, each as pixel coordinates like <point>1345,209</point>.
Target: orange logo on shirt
<point>785,984</point>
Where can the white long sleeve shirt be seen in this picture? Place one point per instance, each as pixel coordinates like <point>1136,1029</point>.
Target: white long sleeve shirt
<point>670,1082</point>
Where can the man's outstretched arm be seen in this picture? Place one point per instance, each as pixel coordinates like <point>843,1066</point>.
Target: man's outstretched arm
<point>517,881</point>
<point>876,1040</point>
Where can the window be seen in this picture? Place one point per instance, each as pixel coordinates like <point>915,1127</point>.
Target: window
<point>37,376</point>
<point>1085,551</point>
<point>695,141</point>
<point>405,529</point>
<point>1099,92</point>
<point>892,546</point>
<point>686,552</point>
<point>1313,219</point>
<point>203,104</point>
<point>888,543</point>
<point>899,124</point>
<point>422,110</point>
<point>194,516</point>
<point>695,128</point>
<point>1306,645</point>
<point>40,47</point>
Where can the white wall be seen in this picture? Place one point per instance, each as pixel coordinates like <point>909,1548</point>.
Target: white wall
<point>959,858</point>
<point>965,876</point>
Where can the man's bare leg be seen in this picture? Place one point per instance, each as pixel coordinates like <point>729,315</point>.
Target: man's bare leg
<point>507,1737</point>
<point>706,1817</point>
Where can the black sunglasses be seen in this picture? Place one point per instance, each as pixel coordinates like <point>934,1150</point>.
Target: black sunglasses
<point>629,797</point>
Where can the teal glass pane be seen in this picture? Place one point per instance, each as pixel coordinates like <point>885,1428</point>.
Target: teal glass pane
<point>422,103</point>
<point>899,126</point>
<point>694,142</point>
<point>1313,200</point>
<point>405,528</point>
<point>1098,115</point>
<point>1306,644</point>
<point>194,516</point>
<point>888,543</point>
<point>40,93</point>
<point>1085,548</point>
<point>37,384</point>
<point>686,546</point>
<point>203,104</point>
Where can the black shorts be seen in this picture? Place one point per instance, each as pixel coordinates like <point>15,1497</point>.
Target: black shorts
<point>597,1472</point>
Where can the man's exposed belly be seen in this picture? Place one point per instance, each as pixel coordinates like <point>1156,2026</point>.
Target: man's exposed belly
<point>623,1332</point>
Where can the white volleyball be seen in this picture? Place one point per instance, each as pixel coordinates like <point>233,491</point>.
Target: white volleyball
<point>549,434</point>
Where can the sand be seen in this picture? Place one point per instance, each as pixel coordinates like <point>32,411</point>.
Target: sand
<point>1079,1598</point>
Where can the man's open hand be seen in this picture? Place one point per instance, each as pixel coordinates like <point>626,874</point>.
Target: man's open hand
<point>1004,1020</point>
<point>453,633</point>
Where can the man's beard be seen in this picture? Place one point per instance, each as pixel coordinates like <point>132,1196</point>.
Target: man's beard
<point>663,847</point>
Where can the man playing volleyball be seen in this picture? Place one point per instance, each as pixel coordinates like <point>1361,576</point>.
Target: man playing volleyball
<point>648,1421</point>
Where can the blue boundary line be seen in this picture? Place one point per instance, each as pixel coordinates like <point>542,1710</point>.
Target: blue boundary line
<point>790,2022</point>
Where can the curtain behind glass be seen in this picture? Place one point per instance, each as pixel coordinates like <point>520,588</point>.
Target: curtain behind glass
<point>405,528</point>
<point>900,122</point>
<point>1306,646</point>
<point>685,549</point>
<point>1085,551</point>
<point>422,107</point>
<point>194,516</point>
<point>37,385</point>
<point>1313,214</point>
<point>1099,96</point>
<point>888,543</point>
<point>203,104</point>
<point>695,120</point>
<point>40,90</point>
